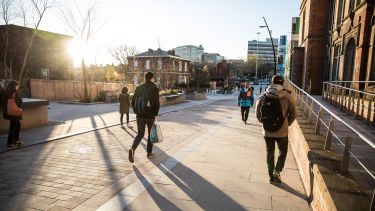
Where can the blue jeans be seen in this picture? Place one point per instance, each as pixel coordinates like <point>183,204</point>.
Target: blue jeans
<point>141,124</point>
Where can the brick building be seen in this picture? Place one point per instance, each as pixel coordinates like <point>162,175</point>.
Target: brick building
<point>336,42</point>
<point>170,70</point>
<point>49,56</point>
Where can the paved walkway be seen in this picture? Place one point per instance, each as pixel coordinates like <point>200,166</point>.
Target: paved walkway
<point>210,160</point>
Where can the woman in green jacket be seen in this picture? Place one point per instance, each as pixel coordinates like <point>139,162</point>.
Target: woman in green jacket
<point>124,99</point>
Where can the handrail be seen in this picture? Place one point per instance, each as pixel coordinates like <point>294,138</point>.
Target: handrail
<point>335,116</point>
<point>343,87</point>
<point>352,81</point>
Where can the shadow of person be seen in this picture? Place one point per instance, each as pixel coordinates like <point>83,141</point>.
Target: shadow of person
<point>291,190</point>
<point>199,189</point>
<point>160,201</point>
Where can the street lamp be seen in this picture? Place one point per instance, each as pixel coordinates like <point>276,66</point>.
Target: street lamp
<point>273,47</point>
<point>256,63</point>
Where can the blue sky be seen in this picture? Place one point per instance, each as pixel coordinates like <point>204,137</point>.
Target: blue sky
<point>220,26</point>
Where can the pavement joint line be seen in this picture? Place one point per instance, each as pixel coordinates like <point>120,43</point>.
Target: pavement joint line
<point>68,135</point>
<point>126,196</point>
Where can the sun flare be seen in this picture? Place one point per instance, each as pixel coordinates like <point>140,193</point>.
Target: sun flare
<point>77,50</point>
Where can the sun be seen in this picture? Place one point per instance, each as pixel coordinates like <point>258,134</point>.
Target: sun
<point>77,51</point>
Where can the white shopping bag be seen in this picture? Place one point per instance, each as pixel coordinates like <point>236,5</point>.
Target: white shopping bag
<point>155,134</point>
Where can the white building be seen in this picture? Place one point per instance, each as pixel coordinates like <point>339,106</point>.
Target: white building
<point>262,49</point>
<point>190,52</point>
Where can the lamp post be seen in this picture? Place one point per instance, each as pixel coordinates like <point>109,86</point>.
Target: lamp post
<point>273,47</point>
<point>256,63</point>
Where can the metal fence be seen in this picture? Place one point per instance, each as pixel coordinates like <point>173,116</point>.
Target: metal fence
<point>354,101</point>
<point>354,151</point>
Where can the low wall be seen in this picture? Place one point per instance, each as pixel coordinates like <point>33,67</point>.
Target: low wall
<point>318,168</point>
<point>54,90</point>
<point>196,96</point>
<point>35,114</point>
<point>172,99</point>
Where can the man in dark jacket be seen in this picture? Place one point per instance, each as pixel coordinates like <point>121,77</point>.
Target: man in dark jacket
<point>148,117</point>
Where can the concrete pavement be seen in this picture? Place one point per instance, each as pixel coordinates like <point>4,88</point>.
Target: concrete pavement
<point>210,160</point>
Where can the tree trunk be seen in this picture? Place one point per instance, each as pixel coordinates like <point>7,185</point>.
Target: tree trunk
<point>85,91</point>
<point>26,57</point>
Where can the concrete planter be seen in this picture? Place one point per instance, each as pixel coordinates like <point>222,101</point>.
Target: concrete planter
<point>35,114</point>
<point>172,99</point>
<point>196,96</point>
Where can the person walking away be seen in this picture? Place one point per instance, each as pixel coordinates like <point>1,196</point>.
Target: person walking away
<point>260,90</point>
<point>11,92</point>
<point>145,103</point>
<point>124,99</point>
<point>244,101</point>
<point>276,111</point>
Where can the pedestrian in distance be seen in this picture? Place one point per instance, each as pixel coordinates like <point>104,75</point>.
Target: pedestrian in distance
<point>145,103</point>
<point>276,110</point>
<point>124,99</point>
<point>260,90</point>
<point>11,94</point>
<point>245,101</point>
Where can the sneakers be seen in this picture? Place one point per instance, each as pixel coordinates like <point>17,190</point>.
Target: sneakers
<point>149,155</point>
<point>131,155</point>
<point>12,146</point>
<point>277,177</point>
<point>272,180</point>
<point>129,126</point>
<point>19,143</point>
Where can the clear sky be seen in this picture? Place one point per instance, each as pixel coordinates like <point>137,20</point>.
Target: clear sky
<point>221,26</point>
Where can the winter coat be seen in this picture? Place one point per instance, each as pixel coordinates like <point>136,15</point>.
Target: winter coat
<point>18,100</point>
<point>288,106</point>
<point>246,98</point>
<point>124,100</point>
<point>153,93</point>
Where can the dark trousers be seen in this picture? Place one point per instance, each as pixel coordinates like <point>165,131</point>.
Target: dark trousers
<point>122,118</point>
<point>245,113</point>
<point>141,124</point>
<point>282,144</point>
<point>14,131</point>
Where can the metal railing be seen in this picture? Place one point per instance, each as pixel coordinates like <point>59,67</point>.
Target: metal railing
<point>340,137</point>
<point>354,101</point>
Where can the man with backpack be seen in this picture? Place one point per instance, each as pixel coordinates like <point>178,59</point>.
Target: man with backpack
<point>276,111</point>
<point>145,103</point>
<point>245,100</point>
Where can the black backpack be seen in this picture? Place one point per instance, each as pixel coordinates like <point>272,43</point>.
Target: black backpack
<point>271,114</point>
<point>141,101</point>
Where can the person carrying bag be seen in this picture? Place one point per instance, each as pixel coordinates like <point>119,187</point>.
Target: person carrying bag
<point>12,108</point>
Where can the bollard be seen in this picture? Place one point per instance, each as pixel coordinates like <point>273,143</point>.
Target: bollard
<point>363,105</point>
<point>318,122</point>
<point>350,100</point>
<point>311,112</point>
<point>306,105</point>
<point>358,106</point>
<point>328,141</point>
<point>369,109</point>
<point>344,167</point>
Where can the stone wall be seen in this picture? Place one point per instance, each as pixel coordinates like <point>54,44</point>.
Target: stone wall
<point>319,171</point>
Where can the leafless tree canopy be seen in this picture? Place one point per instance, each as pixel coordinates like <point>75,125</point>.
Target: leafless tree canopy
<point>120,54</point>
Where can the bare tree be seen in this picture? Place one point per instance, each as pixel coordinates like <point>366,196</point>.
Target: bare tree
<point>8,13</point>
<point>39,8</point>
<point>83,23</point>
<point>120,54</point>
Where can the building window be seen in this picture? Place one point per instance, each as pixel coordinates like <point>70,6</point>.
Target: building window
<point>351,6</point>
<point>303,25</point>
<point>135,64</point>
<point>186,67</point>
<point>173,65</point>
<point>160,64</point>
<point>180,66</point>
<point>340,12</point>
<point>147,64</point>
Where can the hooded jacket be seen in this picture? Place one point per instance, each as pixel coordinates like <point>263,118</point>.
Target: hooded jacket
<point>246,98</point>
<point>288,108</point>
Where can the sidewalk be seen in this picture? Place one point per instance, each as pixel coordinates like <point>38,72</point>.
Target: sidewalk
<point>209,160</point>
<point>70,119</point>
<point>223,169</point>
